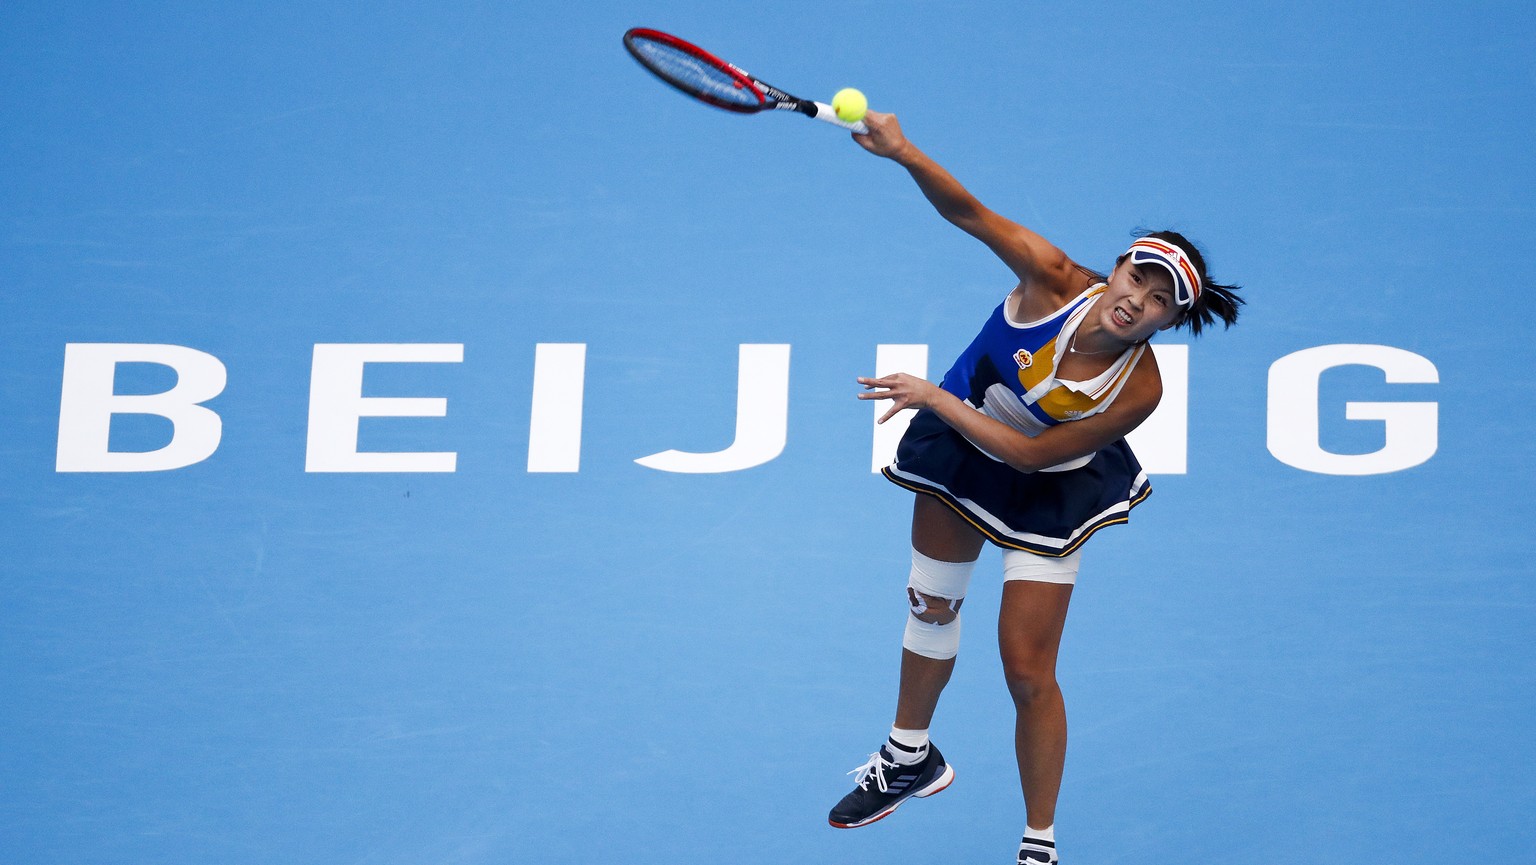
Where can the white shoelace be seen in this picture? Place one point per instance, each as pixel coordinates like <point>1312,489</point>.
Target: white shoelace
<point>876,766</point>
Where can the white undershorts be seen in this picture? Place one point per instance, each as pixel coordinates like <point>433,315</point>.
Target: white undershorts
<point>1019,565</point>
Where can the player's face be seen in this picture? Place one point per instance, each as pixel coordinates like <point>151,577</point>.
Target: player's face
<point>1138,302</point>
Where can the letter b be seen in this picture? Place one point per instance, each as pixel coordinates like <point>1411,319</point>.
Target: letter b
<point>87,404</point>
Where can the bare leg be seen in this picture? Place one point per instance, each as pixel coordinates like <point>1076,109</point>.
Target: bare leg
<point>939,533</point>
<point>922,681</point>
<point>1029,635</point>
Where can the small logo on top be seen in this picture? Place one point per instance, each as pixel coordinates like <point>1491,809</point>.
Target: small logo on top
<point>1023,358</point>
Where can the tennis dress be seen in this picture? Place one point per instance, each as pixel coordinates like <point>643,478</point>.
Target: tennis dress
<point>1009,374</point>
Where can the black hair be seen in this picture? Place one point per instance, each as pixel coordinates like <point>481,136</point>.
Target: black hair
<point>1216,300</point>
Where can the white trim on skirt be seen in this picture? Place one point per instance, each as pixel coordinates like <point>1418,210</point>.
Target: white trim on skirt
<point>1002,530</point>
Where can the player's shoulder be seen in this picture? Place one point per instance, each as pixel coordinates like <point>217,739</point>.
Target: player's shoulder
<point>1056,273</point>
<point>1053,287</point>
<point>1145,385</point>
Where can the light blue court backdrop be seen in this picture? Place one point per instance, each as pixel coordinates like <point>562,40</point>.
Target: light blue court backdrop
<point>241,661</point>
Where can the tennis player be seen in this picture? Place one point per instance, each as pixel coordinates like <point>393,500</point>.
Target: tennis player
<point>1023,445</point>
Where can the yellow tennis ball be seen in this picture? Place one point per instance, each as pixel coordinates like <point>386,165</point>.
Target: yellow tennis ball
<point>850,105</point>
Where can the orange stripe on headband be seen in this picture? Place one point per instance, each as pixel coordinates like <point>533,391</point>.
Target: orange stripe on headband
<point>1186,280</point>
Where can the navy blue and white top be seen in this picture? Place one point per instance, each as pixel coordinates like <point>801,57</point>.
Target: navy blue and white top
<point>1009,373</point>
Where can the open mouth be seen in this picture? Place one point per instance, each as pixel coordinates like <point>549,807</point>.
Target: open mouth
<point>1122,316</point>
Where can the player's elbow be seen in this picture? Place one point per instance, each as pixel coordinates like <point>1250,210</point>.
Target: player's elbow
<point>1026,463</point>
<point>1037,456</point>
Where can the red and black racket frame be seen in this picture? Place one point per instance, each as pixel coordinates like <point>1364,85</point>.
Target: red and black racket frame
<point>768,96</point>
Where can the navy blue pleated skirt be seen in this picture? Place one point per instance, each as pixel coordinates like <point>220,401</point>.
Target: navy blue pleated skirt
<point>1046,513</point>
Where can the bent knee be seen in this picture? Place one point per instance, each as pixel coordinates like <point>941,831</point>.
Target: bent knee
<point>933,609</point>
<point>936,588</point>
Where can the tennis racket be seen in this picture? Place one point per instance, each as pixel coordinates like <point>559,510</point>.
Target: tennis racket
<point>709,79</point>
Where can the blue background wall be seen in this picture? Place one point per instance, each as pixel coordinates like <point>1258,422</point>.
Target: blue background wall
<point>242,662</point>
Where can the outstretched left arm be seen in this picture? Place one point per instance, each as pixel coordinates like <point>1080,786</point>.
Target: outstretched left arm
<point>1056,445</point>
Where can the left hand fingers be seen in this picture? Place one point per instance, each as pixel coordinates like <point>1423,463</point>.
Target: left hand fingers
<point>900,389</point>
<point>892,381</point>
<point>880,388</point>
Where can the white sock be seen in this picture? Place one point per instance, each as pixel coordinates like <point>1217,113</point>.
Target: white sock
<point>1046,834</point>
<point>908,746</point>
<point>1037,843</point>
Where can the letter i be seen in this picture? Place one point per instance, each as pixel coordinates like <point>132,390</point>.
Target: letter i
<point>554,429</point>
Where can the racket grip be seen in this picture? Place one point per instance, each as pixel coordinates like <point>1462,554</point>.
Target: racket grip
<point>825,112</point>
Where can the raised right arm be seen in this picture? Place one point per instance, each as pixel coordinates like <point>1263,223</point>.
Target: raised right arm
<point>1031,257</point>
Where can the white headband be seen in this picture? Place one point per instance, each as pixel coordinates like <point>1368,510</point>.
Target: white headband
<point>1186,279</point>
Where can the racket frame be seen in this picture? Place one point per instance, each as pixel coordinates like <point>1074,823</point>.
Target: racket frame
<point>770,98</point>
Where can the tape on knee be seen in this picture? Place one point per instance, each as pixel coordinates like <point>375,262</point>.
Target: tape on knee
<point>940,642</point>
<point>933,578</point>
<point>947,580</point>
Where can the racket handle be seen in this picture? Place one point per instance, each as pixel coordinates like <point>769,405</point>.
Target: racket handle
<point>825,112</point>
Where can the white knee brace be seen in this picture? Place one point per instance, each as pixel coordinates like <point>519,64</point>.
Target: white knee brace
<point>947,580</point>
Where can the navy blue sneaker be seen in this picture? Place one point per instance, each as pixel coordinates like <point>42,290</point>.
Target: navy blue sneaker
<point>884,784</point>
<point>1033,851</point>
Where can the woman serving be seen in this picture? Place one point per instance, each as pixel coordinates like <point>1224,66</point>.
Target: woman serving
<point>1023,445</point>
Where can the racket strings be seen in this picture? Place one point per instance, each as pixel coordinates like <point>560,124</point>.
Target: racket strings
<point>690,73</point>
